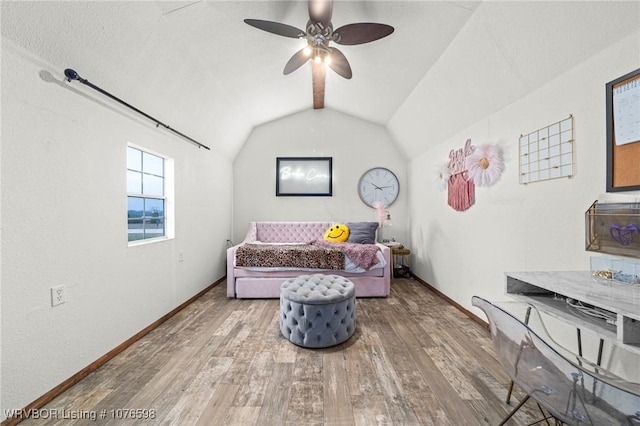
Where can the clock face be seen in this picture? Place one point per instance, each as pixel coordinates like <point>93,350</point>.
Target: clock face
<point>378,185</point>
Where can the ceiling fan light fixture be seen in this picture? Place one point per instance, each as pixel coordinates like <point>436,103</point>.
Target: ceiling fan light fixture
<point>318,35</point>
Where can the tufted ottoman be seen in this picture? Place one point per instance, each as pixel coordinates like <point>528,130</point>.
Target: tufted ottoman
<point>317,311</point>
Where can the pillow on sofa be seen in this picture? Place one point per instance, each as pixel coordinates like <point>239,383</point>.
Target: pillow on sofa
<point>362,232</point>
<point>337,233</point>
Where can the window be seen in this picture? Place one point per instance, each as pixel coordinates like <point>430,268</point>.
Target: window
<point>147,179</point>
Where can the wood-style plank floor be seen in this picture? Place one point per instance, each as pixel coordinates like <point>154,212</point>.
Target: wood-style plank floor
<point>413,360</point>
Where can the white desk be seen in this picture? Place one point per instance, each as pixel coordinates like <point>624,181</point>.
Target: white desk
<point>548,291</point>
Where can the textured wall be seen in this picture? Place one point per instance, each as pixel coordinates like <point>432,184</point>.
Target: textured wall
<point>355,146</point>
<point>513,227</point>
<point>64,223</point>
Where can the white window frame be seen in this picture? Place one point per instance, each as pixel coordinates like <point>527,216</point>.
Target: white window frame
<point>169,205</point>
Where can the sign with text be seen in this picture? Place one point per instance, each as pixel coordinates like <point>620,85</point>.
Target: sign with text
<point>304,176</point>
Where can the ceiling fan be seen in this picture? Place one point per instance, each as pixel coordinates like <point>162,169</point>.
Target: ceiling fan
<point>319,33</point>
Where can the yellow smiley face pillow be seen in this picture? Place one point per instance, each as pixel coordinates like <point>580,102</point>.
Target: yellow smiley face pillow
<point>337,233</point>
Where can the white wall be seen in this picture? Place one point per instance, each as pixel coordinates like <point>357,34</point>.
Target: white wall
<point>64,223</point>
<point>355,146</point>
<point>514,227</point>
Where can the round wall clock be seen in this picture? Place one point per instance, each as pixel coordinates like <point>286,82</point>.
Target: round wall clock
<point>378,185</point>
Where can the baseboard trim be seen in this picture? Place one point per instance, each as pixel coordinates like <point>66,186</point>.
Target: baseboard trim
<point>56,391</point>
<point>452,302</point>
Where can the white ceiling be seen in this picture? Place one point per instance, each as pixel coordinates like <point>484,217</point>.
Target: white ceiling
<point>199,68</point>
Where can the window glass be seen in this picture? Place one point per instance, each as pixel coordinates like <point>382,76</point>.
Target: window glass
<point>135,218</point>
<point>154,218</point>
<point>146,201</point>
<point>134,159</point>
<point>152,164</point>
<point>134,182</point>
<point>152,185</point>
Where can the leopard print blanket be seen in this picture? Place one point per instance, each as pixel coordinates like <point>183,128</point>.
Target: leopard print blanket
<point>294,255</point>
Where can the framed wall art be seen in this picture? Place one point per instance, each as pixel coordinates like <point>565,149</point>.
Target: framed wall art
<point>304,176</point>
<point>623,133</point>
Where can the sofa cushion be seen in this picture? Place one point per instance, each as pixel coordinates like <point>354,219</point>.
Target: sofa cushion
<point>362,232</point>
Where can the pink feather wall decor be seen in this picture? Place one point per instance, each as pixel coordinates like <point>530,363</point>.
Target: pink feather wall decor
<point>468,167</point>
<point>484,165</point>
<point>379,212</point>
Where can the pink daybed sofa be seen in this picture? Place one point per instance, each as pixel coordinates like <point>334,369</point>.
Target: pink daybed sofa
<point>264,283</point>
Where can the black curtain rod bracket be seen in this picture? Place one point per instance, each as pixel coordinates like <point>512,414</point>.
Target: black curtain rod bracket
<point>72,75</point>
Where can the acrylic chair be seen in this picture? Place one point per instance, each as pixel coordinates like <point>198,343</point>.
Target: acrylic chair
<point>571,389</point>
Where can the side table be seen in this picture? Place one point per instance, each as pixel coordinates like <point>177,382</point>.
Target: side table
<point>405,255</point>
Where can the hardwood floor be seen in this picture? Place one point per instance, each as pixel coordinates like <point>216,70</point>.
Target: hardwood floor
<point>413,360</point>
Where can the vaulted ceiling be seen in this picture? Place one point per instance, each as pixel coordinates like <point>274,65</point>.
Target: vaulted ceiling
<point>199,68</point>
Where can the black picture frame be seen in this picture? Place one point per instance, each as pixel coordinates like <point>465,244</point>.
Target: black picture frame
<point>623,173</point>
<point>304,176</point>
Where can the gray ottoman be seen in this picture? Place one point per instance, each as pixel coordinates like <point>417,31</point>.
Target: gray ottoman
<point>317,311</point>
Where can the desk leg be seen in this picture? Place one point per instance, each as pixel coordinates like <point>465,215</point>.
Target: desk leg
<point>600,352</point>
<point>579,342</point>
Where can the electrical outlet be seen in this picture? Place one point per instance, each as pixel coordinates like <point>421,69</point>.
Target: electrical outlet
<point>180,256</point>
<point>58,295</point>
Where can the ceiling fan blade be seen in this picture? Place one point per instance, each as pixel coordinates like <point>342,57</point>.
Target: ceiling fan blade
<point>360,33</point>
<point>296,61</point>
<point>276,28</point>
<point>340,64</point>
<point>320,11</point>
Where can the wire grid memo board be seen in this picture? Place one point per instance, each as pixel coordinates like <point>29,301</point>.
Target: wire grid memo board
<point>547,153</point>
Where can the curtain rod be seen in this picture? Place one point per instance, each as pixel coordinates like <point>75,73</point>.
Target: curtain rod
<point>72,75</point>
